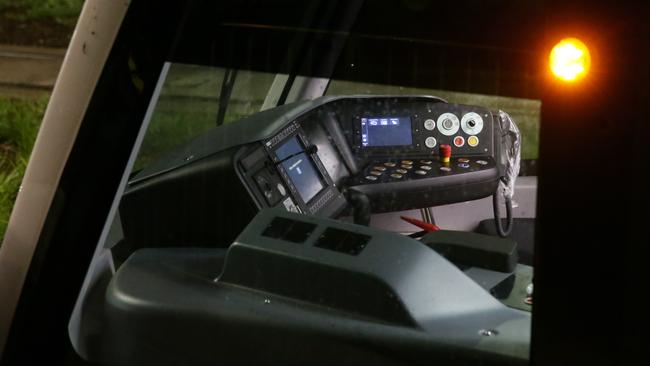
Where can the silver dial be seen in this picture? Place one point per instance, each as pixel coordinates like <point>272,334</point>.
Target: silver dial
<point>448,124</point>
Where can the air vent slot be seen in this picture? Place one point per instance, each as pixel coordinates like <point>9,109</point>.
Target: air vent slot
<point>289,230</point>
<point>342,241</point>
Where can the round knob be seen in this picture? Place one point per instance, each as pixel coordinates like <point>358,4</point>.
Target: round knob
<point>429,124</point>
<point>449,124</point>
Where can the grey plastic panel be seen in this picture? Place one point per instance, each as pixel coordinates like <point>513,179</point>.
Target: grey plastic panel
<point>433,291</point>
<point>163,305</point>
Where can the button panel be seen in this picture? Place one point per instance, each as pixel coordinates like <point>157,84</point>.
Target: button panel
<point>397,171</point>
<point>470,129</point>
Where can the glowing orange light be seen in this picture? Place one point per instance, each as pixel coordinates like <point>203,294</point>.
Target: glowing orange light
<point>570,60</point>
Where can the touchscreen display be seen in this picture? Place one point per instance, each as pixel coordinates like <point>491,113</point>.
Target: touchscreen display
<point>300,168</point>
<point>386,131</point>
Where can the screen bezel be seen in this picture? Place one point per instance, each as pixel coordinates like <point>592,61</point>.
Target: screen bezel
<point>310,160</point>
<point>399,117</point>
<point>387,149</point>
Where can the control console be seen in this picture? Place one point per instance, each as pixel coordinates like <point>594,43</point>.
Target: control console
<point>420,129</point>
<point>399,142</point>
<point>312,157</point>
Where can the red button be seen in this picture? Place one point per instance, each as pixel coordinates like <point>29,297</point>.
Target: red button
<point>445,151</point>
<point>459,141</point>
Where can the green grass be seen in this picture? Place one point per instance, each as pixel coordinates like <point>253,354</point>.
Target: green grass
<point>19,124</point>
<point>188,106</point>
<point>60,11</point>
<point>173,123</point>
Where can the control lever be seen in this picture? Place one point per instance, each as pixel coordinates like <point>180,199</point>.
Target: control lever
<point>360,206</point>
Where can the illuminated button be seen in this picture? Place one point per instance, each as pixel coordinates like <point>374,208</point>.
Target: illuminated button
<point>459,141</point>
<point>482,162</point>
<point>463,165</point>
<point>425,167</point>
<point>371,177</point>
<point>406,166</point>
<point>463,160</point>
<point>401,171</point>
<point>430,142</point>
<point>407,162</point>
<point>429,125</point>
<point>396,176</point>
<point>420,172</point>
<point>379,168</point>
<point>445,168</point>
<point>472,141</point>
<point>426,161</point>
<point>389,164</point>
<point>374,172</point>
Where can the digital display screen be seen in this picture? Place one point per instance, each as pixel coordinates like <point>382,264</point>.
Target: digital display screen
<point>300,168</point>
<point>386,131</point>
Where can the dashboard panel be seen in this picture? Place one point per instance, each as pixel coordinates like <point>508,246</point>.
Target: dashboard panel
<point>392,145</point>
<point>317,157</point>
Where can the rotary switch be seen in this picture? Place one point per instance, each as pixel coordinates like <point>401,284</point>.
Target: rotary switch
<point>472,123</point>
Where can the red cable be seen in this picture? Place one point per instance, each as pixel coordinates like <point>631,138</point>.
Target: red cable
<point>421,224</point>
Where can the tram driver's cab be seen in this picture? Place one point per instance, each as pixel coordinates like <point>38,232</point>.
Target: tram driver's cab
<point>258,232</point>
<point>329,216</point>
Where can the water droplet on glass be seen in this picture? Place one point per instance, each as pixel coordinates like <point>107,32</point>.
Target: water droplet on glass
<point>488,332</point>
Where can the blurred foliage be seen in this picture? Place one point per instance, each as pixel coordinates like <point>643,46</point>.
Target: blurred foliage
<point>189,103</point>
<point>19,124</point>
<point>60,11</point>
